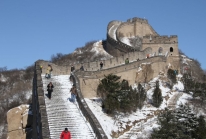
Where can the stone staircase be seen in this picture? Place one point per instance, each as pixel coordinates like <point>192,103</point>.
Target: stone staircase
<point>174,99</point>
<point>62,113</point>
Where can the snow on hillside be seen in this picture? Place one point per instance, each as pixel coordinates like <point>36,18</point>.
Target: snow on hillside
<point>145,119</point>
<point>185,59</point>
<point>99,50</point>
<point>2,78</point>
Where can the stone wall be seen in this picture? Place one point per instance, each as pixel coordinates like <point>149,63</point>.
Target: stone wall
<point>135,28</point>
<point>94,66</point>
<point>168,44</point>
<point>140,27</point>
<point>89,80</point>
<point>40,120</point>
<point>100,134</point>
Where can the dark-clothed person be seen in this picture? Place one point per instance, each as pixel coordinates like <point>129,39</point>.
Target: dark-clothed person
<point>50,89</point>
<point>72,68</point>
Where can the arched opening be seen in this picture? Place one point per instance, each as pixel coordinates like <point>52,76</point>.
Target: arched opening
<point>160,51</point>
<point>171,49</point>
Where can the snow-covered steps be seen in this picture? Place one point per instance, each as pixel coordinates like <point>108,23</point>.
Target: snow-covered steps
<point>62,113</point>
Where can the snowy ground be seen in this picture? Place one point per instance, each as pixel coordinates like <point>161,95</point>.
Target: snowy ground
<point>142,121</point>
<point>137,125</point>
<point>62,113</point>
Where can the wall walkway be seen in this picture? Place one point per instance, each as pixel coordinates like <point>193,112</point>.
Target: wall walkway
<point>51,117</point>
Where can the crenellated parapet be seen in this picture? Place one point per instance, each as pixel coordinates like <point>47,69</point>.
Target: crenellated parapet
<point>40,126</point>
<point>141,35</point>
<point>134,27</point>
<point>160,39</point>
<point>136,19</point>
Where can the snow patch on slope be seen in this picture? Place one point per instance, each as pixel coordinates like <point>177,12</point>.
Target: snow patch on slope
<point>99,50</point>
<point>185,60</point>
<point>146,116</point>
<point>2,78</point>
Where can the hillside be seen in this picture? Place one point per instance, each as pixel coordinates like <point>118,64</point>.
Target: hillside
<point>16,87</point>
<point>92,51</point>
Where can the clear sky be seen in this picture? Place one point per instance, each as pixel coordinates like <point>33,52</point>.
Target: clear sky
<point>36,29</point>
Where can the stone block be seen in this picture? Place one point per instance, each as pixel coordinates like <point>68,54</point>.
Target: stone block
<point>17,134</point>
<point>40,91</point>
<point>41,100</point>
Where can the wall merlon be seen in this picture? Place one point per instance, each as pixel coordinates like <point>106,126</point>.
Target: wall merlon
<point>136,19</point>
<point>41,100</point>
<point>159,39</point>
<point>40,120</point>
<point>40,91</point>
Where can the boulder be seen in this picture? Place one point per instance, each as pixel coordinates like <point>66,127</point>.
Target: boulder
<point>14,119</point>
<point>17,119</point>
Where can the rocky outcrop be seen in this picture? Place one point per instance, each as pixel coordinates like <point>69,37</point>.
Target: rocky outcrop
<point>19,121</point>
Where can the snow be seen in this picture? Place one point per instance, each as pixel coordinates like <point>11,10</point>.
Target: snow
<point>99,50</point>
<point>185,59</point>
<point>125,40</point>
<point>146,116</point>
<point>184,99</point>
<point>142,121</point>
<point>28,94</point>
<point>112,31</point>
<point>61,112</point>
<point>2,78</point>
<point>178,86</point>
<point>146,124</point>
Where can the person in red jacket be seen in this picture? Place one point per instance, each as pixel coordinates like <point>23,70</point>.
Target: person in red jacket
<point>65,134</point>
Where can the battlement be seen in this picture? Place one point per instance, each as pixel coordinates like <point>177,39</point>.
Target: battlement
<point>136,19</point>
<point>160,39</point>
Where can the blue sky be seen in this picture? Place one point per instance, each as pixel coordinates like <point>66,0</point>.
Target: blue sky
<point>36,29</point>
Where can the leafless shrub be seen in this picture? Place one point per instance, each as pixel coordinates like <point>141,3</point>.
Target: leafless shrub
<point>81,55</point>
<point>29,72</point>
<point>2,114</point>
<point>3,69</point>
<point>195,67</point>
<point>181,52</point>
<point>55,58</point>
<point>29,101</point>
<point>197,71</point>
<point>13,104</point>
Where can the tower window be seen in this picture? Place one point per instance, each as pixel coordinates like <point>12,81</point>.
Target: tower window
<point>171,49</point>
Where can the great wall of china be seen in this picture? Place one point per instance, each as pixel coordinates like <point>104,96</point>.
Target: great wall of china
<point>158,51</point>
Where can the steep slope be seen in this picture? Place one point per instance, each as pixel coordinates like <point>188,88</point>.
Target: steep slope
<point>62,113</point>
<point>139,124</point>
